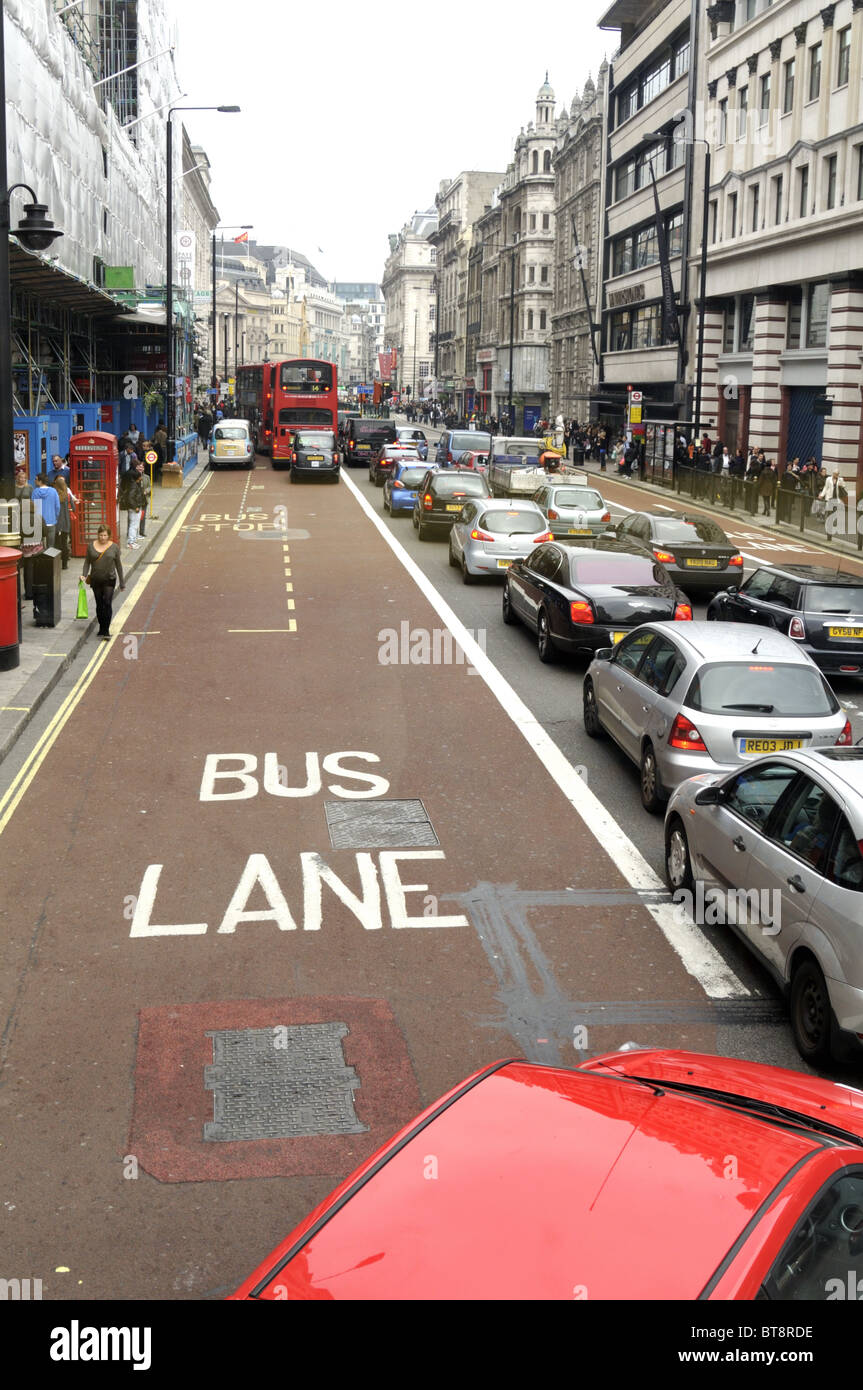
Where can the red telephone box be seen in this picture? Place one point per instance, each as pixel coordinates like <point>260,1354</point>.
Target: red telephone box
<point>94,462</point>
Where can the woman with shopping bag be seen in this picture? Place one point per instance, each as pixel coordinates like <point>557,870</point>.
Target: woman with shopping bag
<point>102,568</point>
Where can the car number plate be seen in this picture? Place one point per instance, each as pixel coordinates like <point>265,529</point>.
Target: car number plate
<point>769,745</point>
<point>364,447</point>
<point>702,564</point>
<point>316,458</point>
<point>451,508</point>
<point>579,531</point>
<point>504,564</point>
<point>617,637</point>
<point>845,632</point>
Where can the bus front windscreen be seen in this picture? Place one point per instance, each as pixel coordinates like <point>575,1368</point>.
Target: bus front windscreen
<point>306,378</point>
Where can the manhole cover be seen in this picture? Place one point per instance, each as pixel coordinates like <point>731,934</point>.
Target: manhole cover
<point>379,825</point>
<point>281,1083</point>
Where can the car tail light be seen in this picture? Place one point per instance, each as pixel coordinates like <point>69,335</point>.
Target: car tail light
<point>396,483</point>
<point>846,738</point>
<point>684,735</point>
<point>448,456</point>
<point>476,535</point>
<point>606,516</point>
<point>797,629</point>
<point>736,561</point>
<point>350,444</point>
<point>683,613</point>
<point>553,516</point>
<point>580,611</point>
<point>546,536</point>
<point>293,458</point>
<point>664,557</point>
<point>427,501</point>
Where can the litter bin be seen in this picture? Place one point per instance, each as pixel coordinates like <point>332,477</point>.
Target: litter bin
<point>46,588</point>
<point>10,651</point>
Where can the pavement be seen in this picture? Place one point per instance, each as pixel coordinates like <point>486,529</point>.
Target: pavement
<point>46,652</point>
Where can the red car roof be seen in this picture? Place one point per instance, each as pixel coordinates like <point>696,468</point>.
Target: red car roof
<point>540,1182</point>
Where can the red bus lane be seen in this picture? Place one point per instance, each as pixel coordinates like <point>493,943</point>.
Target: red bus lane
<point>271,892</point>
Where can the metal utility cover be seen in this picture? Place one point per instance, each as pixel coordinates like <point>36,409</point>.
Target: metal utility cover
<point>281,1083</point>
<point>379,825</point>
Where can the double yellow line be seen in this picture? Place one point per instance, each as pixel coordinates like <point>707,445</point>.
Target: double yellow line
<point>11,798</point>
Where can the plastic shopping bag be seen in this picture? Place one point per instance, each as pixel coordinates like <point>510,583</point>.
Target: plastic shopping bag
<point>83,610</point>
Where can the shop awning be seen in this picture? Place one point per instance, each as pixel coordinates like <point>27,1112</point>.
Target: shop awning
<point>31,273</point>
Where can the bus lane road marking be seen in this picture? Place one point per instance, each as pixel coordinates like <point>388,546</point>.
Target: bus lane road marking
<point>698,957</point>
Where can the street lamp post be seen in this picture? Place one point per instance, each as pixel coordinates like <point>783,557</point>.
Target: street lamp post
<point>416,317</point>
<point>170,363</point>
<point>511,425</point>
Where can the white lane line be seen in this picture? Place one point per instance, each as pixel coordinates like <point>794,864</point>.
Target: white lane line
<point>696,954</point>
<point>662,507</point>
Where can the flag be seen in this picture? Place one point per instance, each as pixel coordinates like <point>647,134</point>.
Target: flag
<point>244,236</point>
<point>670,324</point>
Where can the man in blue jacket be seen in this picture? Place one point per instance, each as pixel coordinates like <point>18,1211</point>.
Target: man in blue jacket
<point>48,507</point>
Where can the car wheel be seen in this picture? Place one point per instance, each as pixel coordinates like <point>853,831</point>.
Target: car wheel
<point>592,725</point>
<point>811,1014</point>
<point>467,577</point>
<point>453,561</point>
<point>678,865</point>
<point>293,478</point>
<point>651,794</point>
<point>415,521</point>
<point>422,532</point>
<point>544,644</point>
<point>506,607</point>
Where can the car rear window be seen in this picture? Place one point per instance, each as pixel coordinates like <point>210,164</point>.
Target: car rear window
<point>578,497</point>
<point>594,567</point>
<point>834,598</point>
<point>469,439</point>
<point>753,688</point>
<point>231,432</point>
<point>517,522</point>
<point>470,486</point>
<point>371,429</point>
<point>416,436</point>
<point>520,450</point>
<point>675,528</point>
<point>315,439</point>
<point>412,477</point>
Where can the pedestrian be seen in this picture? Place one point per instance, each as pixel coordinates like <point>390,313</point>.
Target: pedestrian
<point>738,467</point>
<point>48,508</point>
<point>23,490</point>
<point>133,434</point>
<point>128,459</point>
<point>790,481</point>
<point>60,469</point>
<point>131,500</point>
<point>767,480</point>
<point>102,568</point>
<point>68,503</point>
<point>144,480</point>
<point>160,444</point>
<point>205,424</point>
<point>833,491</point>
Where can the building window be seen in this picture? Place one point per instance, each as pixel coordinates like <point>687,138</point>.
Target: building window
<point>777,199</point>
<point>795,320</point>
<point>723,121</point>
<point>764,110</point>
<point>788,87</point>
<point>747,323</point>
<point>433,254</point>
<point>546,162</point>
<point>733,214</point>
<point>803,190</point>
<point>621,260</point>
<point>432,312</point>
<point>620,332</point>
<point>531,274</point>
<point>656,80</point>
<point>625,180</point>
<point>681,58</point>
<point>646,250</point>
<point>818,309</point>
<point>627,104</point>
<point>532,221</point>
<point>830,169</point>
<point>742,112</point>
<point>714,219</point>
<point>728,330</point>
<point>543,318</point>
<point>543,274</point>
<point>754,205</point>
<point>546,221</point>
<point>530,320</point>
<point>647,327</point>
<point>860,173</point>
<point>815,72</point>
<point>844,58</point>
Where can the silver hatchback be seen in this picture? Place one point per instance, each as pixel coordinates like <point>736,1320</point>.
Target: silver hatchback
<point>489,534</point>
<point>774,851</point>
<point>681,699</point>
<point>573,510</point>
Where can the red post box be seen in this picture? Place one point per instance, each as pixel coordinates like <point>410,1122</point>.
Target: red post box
<point>94,462</point>
<point>10,637</point>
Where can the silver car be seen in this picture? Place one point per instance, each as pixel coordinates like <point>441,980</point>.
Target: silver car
<point>685,698</point>
<point>488,534</point>
<point>774,851</point>
<point>573,510</point>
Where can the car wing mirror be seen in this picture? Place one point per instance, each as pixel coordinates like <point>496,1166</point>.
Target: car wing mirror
<point>733,589</point>
<point>604,653</point>
<point>710,796</point>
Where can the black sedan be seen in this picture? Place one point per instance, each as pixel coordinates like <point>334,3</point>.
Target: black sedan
<point>581,595</point>
<point>693,549</point>
<point>820,608</point>
<point>314,454</point>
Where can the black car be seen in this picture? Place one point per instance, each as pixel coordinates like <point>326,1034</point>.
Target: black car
<point>580,595</point>
<point>314,454</point>
<point>365,437</point>
<point>342,421</point>
<point>693,549</point>
<point>441,496</point>
<point>820,608</point>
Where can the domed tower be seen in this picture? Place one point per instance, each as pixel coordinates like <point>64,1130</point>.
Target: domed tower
<point>545,104</point>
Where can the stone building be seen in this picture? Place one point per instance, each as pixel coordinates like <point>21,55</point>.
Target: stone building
<point>578,194</point>
<point>411,298</point>
<point>784,325</point>
<point>517,234</point>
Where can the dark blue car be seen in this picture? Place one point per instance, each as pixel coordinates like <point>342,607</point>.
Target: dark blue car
<point>400,488</point>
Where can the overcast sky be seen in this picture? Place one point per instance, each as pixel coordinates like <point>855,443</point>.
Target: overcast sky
<point>352,115</point>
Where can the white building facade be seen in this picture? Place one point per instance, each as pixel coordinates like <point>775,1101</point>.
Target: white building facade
<point>411,303</point>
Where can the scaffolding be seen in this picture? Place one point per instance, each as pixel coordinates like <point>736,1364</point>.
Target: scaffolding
<point>118,41</point>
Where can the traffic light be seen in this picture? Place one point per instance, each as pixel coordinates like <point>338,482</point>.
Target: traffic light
<point>407,390</point>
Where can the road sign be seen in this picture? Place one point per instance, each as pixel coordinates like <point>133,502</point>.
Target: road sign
<point>151,456</point>
<point>635,397</point>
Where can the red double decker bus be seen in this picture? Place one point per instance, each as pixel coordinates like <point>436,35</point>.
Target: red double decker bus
<point>278,397</point>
